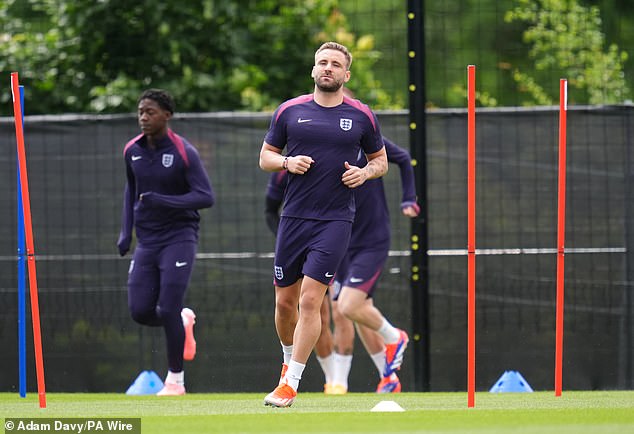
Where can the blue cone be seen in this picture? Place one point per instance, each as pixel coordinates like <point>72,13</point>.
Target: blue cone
<point>147,383</point>
<point>511,381</point>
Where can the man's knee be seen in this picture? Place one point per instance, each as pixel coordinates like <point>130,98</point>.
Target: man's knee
<point>165,313</point>
<point>349,306</point>
<point>143,316</point>
<point>348,310</point>
<point>310,302</point>
<point>286,306</point>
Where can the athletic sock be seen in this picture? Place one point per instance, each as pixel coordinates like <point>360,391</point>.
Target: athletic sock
<point>379,361</point>
<point>328,366</point>
<point>294,374</point>
<point>388,332</point>
<point>175,377</point>
<point>343,363</point>
<point>287,350</point>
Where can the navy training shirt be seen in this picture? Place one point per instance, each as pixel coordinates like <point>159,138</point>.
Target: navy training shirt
<point>330,136</point>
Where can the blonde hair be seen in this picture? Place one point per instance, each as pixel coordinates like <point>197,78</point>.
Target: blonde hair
<point>336,46</point>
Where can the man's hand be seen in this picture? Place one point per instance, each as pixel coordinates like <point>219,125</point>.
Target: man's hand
<point>354,176</point>
<point>124,245</point>
<point>410,209</point>
<point>299,164</point>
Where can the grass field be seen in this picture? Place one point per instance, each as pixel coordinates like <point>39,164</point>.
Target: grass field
<point>538,412</point>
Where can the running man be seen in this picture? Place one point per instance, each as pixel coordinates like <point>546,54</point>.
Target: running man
<point>324,348</point>
<point>323,131</point>
<point>357,278</point>
<point>166,186</point>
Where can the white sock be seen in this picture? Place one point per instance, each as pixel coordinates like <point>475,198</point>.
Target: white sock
<point>389,333</point>
<point>288,352</point>
<point>294,374</point>
<point>175,377</point>
<point>327,365</point>
<point>379,362</point>
<point>343,364</point>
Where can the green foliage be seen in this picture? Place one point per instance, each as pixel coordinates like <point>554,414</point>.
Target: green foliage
<point>364,57</point>
<point>566,36</point>
<point>385,22</point>
<point>460,33</point>
<point>481,32</point>
<point>97,56</point>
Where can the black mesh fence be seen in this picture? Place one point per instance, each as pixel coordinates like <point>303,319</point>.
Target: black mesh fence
<point>76,177</point>
<point>516,208</point>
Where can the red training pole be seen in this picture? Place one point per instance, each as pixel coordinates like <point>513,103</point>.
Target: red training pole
<point>561,231</point>
<point>28,232</point>
<point>471,193</point>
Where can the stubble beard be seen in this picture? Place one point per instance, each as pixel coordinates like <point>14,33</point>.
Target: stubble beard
<point>330,87</point>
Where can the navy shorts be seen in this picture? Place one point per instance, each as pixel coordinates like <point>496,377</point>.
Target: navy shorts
<point>361,270</point>
<point>312,248</point>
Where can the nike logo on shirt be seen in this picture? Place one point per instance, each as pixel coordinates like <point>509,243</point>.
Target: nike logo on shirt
<point>328,274</point>
<point>180,264</point>
<point>301,121</point>
<point>136,157</point>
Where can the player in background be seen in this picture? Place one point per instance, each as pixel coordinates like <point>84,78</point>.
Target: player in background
<point>357,277</point>
<point>166,186</point>
<point>323,132</point>
<point>324,348</point>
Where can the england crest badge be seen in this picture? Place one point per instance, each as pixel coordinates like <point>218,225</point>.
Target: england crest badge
<point>168,160</point>
<point>345,124</point>
<point>279,273</point>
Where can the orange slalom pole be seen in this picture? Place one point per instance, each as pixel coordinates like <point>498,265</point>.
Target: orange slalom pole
<point>561,231</point>
<point>28,231</point>
<point>471,227</point>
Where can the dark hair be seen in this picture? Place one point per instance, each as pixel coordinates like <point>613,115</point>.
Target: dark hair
<point>161,97</point>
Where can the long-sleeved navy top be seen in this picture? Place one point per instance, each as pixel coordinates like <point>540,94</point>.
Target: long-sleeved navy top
<point>371,227</point>
<point>165,188</point>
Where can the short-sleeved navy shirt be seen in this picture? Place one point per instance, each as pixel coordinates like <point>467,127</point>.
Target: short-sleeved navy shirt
<point>330,136</point>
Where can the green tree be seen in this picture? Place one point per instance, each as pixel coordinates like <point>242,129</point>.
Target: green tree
<point>566,36</point>
<point>88,56</point>
<point>384,24</point>
<point>363,80</point>
<point>463,32</point>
